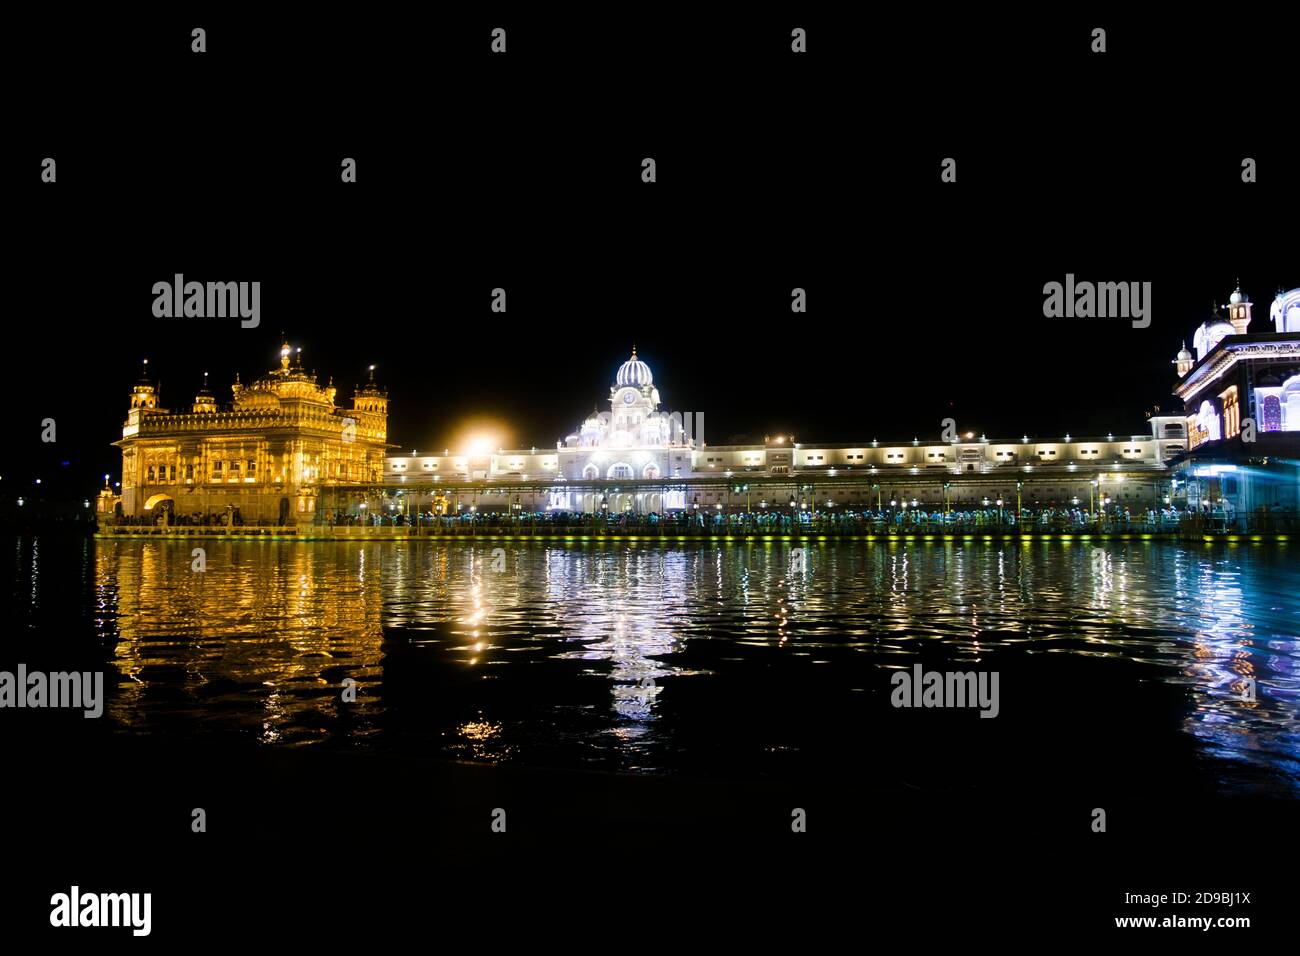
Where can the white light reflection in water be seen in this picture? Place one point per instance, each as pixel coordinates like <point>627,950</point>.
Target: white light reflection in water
<point>262,640</point>
<point>629,626</point>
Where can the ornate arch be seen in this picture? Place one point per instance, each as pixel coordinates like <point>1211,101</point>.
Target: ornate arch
<point>1207,420</point>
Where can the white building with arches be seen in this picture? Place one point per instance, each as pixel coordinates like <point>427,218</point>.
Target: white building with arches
<point>1238,375</point>
<point>634,455</point>
<point>1241,397</point>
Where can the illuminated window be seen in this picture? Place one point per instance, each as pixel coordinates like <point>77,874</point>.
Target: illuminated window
<point>1231,413</point>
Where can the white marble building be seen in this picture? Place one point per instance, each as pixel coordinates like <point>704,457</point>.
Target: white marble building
<point>1237,374</point>
<point>637,456</point>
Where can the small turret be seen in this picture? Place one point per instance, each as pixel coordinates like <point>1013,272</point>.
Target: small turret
<point>144,395</point>
<point>370,408</point>
<point>204,403</point>
<point>1184,362</point>
<point>1239,307</point>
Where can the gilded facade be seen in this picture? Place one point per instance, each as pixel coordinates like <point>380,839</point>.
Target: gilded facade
<point>261,459</point>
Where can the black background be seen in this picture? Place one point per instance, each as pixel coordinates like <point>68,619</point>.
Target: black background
<point>523,171</point>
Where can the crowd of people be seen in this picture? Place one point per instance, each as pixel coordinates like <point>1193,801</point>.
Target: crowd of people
<point>918,520</point>
<point>229,518</point>
<point>784,521</point>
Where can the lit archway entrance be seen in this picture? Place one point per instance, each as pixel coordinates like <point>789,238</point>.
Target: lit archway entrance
<point>618,503</point>
<point>1207,420</point>
<point>160,508</point>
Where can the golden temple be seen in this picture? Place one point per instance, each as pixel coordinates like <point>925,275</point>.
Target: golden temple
<point>260,460</point>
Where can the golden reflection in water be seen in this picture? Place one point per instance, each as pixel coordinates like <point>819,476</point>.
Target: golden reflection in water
<point>281,624</point>
<point>482,737</point>
<point>262,613</point>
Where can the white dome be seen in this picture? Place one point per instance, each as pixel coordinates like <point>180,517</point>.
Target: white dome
<point>1209,334</point>
<point>633,372</point>
<point>1237,297</point>
<point>1285,312</point>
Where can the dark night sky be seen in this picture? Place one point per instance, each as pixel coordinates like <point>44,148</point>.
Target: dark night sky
<point>925,300</point>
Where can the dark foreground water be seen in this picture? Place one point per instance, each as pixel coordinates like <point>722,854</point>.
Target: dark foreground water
<point>1129,665</point>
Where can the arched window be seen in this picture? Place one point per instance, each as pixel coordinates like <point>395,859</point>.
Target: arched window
<point>620,470</point>
<point>1207,420</point>
<point>650,471</point>
<point>1290,405</point>
<point>591,471</point>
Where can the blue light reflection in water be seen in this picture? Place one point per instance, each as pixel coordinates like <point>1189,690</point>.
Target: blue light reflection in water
<point>664,659</point>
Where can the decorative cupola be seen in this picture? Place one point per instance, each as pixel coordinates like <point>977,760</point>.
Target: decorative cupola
<point>633,372</point>
<point>1239,307</point>
<point>371,397</point>
<point>144,395</point>
<point>1184,362</point>
<point>204,403</point>
<point>1210,333</point>
<point>370,408</point>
